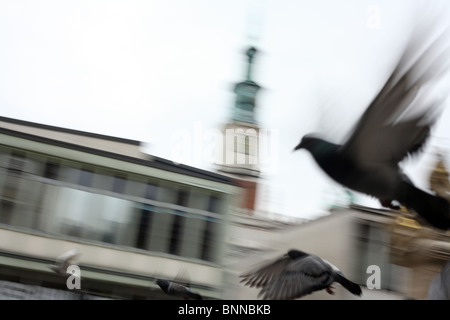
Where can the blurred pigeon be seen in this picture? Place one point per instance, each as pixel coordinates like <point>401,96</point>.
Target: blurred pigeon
<point>295,275</point>
<point>178,288</point>
<point>64,261</point>
<point>395,125</point>
<point>440,286</point>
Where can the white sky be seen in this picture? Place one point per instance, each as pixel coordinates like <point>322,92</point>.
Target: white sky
<point>162,72</point>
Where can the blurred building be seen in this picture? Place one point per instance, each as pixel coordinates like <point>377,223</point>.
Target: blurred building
<point>133,216</point>
<point>439,181</point>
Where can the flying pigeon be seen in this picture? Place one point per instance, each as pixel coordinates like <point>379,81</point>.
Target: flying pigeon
<point>396,124</point>
<point>178,288</point>
<point>295,275</point>
<point>440,286</point>
<point>64,261</point>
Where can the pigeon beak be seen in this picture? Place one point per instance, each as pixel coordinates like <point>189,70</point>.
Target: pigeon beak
<point>299,146</point>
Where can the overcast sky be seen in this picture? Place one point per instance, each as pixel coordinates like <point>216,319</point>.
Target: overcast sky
<point>162,72</point>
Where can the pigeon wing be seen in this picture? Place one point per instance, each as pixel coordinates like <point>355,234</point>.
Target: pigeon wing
<point>301,277</point>
<point>68,258</point>
<point>262,275</point>
<point>383,134</point>
<point>183,278</point>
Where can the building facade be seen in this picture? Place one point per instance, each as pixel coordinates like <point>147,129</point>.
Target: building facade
<point>133,217</point>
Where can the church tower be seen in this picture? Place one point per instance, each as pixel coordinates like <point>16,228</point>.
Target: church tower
<point>241,138</point>
<point>438,180</point>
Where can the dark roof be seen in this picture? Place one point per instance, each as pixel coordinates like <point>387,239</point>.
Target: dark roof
<point>71,131</point>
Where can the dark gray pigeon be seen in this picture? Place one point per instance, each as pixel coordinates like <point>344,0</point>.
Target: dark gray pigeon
<point>440,286</point>
<point>295,275</point>
<point>178,287</point>
<point>65,260</point>
<point>396,124</point>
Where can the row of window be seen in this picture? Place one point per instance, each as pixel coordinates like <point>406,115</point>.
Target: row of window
<point>125,184</point>
<point>94,204</point>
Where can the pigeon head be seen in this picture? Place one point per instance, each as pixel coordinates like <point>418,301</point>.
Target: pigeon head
<point>295,254</point>
<point>308,142</point>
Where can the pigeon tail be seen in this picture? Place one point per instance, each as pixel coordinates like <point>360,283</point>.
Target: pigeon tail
<point>434,209</point>
<point>347,284</point>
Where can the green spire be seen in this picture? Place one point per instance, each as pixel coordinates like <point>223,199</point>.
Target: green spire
<point>250,54</point>
<point>243,110</point>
